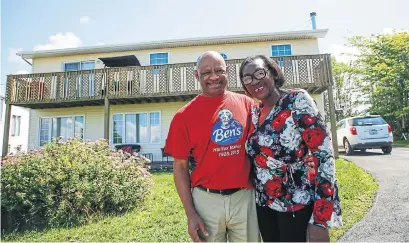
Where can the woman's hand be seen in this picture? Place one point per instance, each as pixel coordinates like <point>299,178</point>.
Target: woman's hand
<point>317,234</point>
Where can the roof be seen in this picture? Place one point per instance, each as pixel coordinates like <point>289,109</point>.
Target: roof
<point>216,40</point>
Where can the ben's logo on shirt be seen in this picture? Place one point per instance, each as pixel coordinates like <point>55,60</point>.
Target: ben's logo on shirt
<point>227,130</point>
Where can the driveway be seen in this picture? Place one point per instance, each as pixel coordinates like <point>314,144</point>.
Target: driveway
<point>388,219</point>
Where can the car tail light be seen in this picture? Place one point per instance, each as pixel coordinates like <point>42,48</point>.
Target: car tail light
<point>389,128</point>
<point>353,131</point>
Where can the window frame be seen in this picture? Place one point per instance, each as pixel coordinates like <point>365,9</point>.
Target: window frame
<point>156,71</point>
<point>123,114</point>
<point>14,127</point>
<point>50,131</point>
<point>91,80</point>
<point>80,62</point>
<point>283,44</point>
<point>153,53</point>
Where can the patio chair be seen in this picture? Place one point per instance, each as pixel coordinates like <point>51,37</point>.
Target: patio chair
<point>165,155</point>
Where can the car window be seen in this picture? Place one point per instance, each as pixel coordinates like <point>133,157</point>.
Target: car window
<point>368,121</point>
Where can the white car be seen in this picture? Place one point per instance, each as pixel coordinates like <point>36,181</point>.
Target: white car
<point>364,132</point>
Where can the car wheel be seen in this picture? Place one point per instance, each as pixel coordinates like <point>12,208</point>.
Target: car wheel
<point>387,150</point>
<point>347,147</point>
<point>363,150</point>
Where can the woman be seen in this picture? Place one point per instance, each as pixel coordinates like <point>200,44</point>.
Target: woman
<point>295,201</point>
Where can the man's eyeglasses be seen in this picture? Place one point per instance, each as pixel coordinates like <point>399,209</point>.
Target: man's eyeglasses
<point>259,74</point>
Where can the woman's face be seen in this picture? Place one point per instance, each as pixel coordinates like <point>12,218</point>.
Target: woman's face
<point>258,80</point>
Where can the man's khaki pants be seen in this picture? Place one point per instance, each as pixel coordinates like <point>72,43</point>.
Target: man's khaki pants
<point>232,217</point>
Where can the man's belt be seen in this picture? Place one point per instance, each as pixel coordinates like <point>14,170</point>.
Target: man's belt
<point>221,192</point>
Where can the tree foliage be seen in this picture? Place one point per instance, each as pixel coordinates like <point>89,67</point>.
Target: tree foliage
<point>383,68</point>
<point>346,93</point>
<point>64,184</point>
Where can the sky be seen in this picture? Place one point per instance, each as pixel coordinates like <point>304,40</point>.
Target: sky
<point>48,24</point>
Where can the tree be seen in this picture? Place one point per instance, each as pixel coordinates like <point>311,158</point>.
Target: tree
<point>346,93</point>
<point>383,68</point>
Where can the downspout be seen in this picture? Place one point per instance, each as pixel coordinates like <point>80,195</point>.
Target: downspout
<point>29,63</point>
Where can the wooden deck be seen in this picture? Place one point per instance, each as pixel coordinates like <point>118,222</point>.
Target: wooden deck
<point>148,84</point>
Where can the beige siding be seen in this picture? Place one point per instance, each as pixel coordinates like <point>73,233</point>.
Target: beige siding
<point>94,122</point>
<point>319,98</point>
<point>182,54</point>
<point>22,139</point>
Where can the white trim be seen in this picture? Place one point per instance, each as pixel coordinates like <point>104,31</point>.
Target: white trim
<point>59,116</point>
<point>111,138</point>
<point>216,40</point>
<point>13,127</point>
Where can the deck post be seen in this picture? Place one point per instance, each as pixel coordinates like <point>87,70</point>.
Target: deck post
<point>332,111</point>
<point>6,131</point>
<point>106,119</point>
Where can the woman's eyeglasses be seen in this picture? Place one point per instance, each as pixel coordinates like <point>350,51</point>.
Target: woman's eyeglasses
<point>259,74</point>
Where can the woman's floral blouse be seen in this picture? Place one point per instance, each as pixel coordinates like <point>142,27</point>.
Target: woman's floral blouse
<point>277,148</point>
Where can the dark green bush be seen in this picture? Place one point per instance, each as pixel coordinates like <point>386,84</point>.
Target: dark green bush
<point>66,183</point>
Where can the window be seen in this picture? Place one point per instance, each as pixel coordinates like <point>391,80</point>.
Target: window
<point>155,127</point>
<point>15,125</point>
<point>136,128</point>
<point>77,66</point>
<point>158,59</point>
<point>64,127</point>
<point>368,121</point>
<point>281,50</point>
<point>224,56</point>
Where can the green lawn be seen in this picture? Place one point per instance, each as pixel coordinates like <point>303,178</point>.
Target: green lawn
<point>163,219</point>
<point>402,143</point>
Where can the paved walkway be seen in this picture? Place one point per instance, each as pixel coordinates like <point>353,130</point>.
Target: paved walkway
<point>388,219</point>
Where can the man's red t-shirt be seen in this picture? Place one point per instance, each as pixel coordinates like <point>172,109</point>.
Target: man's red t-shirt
<point>215,129</point>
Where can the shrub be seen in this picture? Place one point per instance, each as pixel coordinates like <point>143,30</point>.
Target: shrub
<point>66,183</point>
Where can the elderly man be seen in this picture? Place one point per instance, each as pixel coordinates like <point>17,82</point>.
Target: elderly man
<point>218,196</point>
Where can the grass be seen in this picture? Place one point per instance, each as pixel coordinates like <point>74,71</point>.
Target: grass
<point>163,219</point>
<point>357,190</point>
<point>401,143</point>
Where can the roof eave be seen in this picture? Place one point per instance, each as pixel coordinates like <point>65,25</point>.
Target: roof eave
<point>292,35</point>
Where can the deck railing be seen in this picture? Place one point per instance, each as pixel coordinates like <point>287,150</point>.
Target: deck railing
<point>150,81</point>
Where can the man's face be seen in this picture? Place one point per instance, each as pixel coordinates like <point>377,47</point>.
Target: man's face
<point>212,75</point>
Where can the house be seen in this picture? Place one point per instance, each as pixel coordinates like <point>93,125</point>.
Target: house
<point>18,135</point>
<point>129,93</point>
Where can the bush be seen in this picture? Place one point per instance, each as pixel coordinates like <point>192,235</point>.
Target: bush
<point>65,183</point>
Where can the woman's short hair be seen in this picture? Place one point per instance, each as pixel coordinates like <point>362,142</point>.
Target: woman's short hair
<point>272,66</point>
